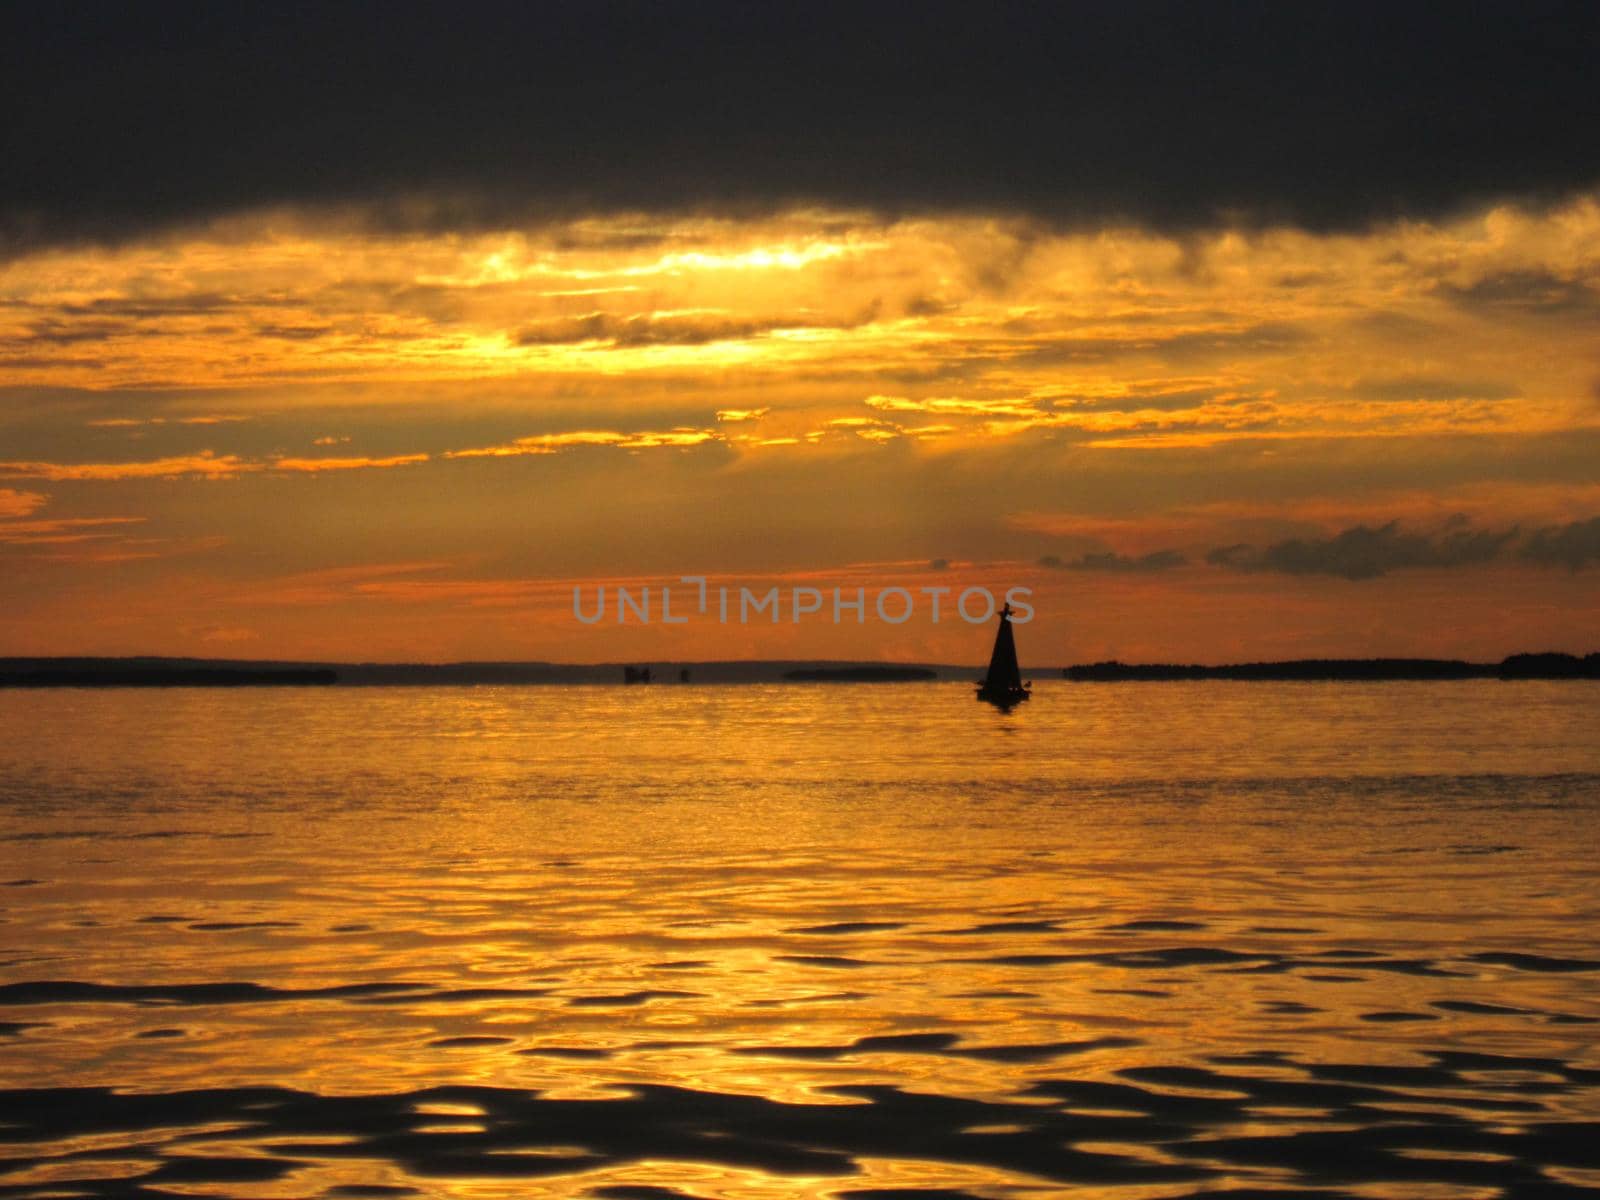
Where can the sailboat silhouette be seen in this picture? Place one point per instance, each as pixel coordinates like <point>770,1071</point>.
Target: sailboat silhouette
<point>1002,686</point>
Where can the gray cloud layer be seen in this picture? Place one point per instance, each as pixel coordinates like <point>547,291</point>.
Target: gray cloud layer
<point>124,117</point>
<point>1572,546</point>
<point>1366,553</point>
<point>1370,552</point>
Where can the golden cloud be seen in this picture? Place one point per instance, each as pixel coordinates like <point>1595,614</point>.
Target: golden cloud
<point>997,327</point>
<point>207,464</point>
<point>345,464</point>
<point>554,443</point>
<point>14,503</point>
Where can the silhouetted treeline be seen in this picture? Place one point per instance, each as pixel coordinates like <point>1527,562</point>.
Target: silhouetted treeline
<point>1518,666</point>
<point>155,671</point>
<point>161,676</point>
<point>1549,666</point>
<point>861,675</point>
<point>200,672</point>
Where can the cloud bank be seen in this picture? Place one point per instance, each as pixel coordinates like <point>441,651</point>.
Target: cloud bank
<point>1368,552</point>
<point>1170,114</point>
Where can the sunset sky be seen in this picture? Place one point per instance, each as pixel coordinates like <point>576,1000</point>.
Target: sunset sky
<point>1234,332</point>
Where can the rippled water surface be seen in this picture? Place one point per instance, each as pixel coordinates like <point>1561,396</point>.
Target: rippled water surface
<point>1143,940</point>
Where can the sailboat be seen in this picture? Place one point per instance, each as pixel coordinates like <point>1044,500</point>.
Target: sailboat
<point>1002,686</point>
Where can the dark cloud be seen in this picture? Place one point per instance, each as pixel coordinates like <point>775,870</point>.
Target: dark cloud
<point>51,332</point>
<point>294,333</point>
<point>1239,556</point>
<point>665,331</point>
<point>1364,552</point>
<point>1399,327</point>
<point>1160,560</point>
<point>1572,546</point>
<point>1537,293</point>
<point>1150,400</point>
<point>29,362</point>
<point>1174,348</point>
<point>1326,114</point>
<point>1302,279</point>
<point>1418,387</point>
<point>190,305</point>
<point>927,306</point>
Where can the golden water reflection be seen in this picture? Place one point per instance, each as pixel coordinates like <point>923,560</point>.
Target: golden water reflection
<point>853,941</point>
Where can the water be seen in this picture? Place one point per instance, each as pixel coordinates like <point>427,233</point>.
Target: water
<point>1141,941</point>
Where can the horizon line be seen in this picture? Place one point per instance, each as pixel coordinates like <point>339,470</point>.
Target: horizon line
<point>760,662</point>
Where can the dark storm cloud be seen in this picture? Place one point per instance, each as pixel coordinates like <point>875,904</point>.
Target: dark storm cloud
<point>1364,552</point>
<point>1160,560</point>
<point>124,117</point>
<point>1572,546</point>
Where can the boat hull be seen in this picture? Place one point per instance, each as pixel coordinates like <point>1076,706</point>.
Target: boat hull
<point>1003,697</point>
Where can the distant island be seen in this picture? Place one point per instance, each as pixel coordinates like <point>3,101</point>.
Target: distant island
<point>1517,666</point>
<point>202,672</point>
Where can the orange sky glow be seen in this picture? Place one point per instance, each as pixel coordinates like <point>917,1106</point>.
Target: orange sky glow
<point>293,434</point>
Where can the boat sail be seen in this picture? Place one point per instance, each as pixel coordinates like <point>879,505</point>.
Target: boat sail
<point>1002,685</point>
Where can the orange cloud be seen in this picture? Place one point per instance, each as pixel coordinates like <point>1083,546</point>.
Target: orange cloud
<point>135,422</point>
<point>949,405</point>
<point>14,503</point>
<point>345,464</point>
<point>207,464</point>
<point>553,443</point>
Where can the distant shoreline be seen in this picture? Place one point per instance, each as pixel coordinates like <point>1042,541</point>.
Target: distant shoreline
<point>115,674</point>
<point>886,673</point>
<point>1516,666</point>
<point>194,672</point>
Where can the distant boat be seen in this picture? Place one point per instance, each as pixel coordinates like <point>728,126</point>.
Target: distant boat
<point>1002,686</point>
